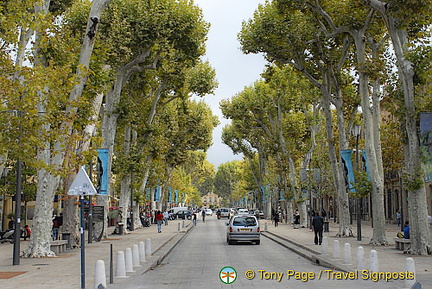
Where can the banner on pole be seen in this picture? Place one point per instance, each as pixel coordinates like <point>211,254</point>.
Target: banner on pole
<point>102,171</point>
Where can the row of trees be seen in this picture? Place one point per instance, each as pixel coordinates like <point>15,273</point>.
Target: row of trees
<point>124,75</point>
<point>333,65</point>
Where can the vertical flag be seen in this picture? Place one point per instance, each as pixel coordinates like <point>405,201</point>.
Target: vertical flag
<point>102,166</point>
<point>346,157</point>
<point>157,194</point>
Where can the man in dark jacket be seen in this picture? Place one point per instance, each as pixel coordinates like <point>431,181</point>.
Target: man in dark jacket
<point>318,225</point>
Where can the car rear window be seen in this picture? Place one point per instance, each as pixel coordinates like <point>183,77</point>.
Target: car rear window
<point>244,221</point>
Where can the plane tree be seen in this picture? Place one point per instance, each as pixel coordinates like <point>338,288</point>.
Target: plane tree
<point>406,23</point>
<point>288,36</point>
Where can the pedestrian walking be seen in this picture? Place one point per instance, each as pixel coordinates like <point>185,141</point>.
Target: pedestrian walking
<point>296,219</point>
<point>159,220</point>
<point>194,218</point>
<point>318,226</point>
<point>398,217</point>
<point>166,217</point>
<point>57,222</point>
<point>276,219</point>
<point>203,213</point>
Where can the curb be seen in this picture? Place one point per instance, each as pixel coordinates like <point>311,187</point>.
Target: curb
<point>164,253</point>
<point>306,252</point>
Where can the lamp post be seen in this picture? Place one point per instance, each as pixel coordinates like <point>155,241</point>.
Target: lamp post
<point>17,227</point>
<point>5,173</point>
<point>131,206</point>
<point>356,132</point>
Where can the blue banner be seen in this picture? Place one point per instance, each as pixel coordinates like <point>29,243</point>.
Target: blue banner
<point>346,157</point>
<point>102,187</point>
<point>169,194</point>
<point>281,197</point>
<point>157,194</point>
<point>176,196</point>
<point>147,194</point>
<point>426,144</point>
<point>365,160</point>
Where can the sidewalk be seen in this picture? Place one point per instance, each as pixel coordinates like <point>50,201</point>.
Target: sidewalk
<point>389,259</point>
<point>64,271</point>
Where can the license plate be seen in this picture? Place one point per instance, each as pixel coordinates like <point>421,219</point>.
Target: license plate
<point>245,230</point>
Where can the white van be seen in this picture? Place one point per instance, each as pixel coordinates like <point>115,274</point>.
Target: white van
<point>174,210</point>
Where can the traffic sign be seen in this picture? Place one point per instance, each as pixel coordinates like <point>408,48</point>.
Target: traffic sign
<point>82,185</point>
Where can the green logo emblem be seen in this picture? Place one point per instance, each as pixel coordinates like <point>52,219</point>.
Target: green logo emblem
<point>228,275</point>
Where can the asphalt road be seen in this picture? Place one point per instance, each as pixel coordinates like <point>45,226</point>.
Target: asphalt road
<point>198,262</point>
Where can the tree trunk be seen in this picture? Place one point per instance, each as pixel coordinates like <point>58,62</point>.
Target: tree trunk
<point>376,178</point>
<point>125,190</point>
<point>417,201</point>
<point>39,245</point>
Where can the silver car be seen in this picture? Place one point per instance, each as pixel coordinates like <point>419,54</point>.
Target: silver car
<point>243,228</point>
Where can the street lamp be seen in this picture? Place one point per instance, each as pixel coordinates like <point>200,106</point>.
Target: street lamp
<point>356,132</point>
<point>5,173</point>
<point>131,205</point>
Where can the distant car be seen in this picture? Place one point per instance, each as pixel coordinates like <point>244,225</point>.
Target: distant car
<point>243,229</point>
<point>224,212</point>
<point>185,214</point>
<point>243,212</point>
<point>261,214</point>
<point>209,212</point>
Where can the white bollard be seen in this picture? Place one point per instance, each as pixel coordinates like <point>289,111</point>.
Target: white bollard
<point>183,224</point>
<point>265,227</point>
<point>178,229</point>
<point>360,258</point>
<point>336,250</point>
<point>410,267</point>
<point>142,256</point>
<point>374,266</point>
<point>100,277</point>
<point>347,254</point>
<point>121,265</point>
<point>128,260</point>
<point>324,246</point>
<point>135,256</point>
<point>148,249</point>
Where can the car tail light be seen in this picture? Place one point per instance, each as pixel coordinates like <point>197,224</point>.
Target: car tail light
<point>258,230</point>
<point>231,230</point>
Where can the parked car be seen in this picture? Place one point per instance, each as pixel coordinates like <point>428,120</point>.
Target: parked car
<point>209,212</point>
<point>243,228</point>
<point>185,214</point>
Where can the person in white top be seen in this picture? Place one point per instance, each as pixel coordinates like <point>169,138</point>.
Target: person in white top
<point>166,216</point>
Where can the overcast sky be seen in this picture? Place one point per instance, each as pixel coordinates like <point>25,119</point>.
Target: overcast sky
<point>234,69</point>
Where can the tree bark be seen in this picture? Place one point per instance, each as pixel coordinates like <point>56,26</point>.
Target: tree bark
<point>417,201</point>
<point>376,177</point>
<point>39,245</point>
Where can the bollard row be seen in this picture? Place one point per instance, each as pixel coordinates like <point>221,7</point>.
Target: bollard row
<point>360,263</point>
<point>126,262</point>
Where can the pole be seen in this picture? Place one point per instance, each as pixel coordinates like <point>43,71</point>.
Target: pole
<point>131,206</point>
<point>90,215</point>
<point>82,244</point>
<point>5,172</point>
<point>359,213</point>
<point>111,278</point>
<point>17,228</point>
